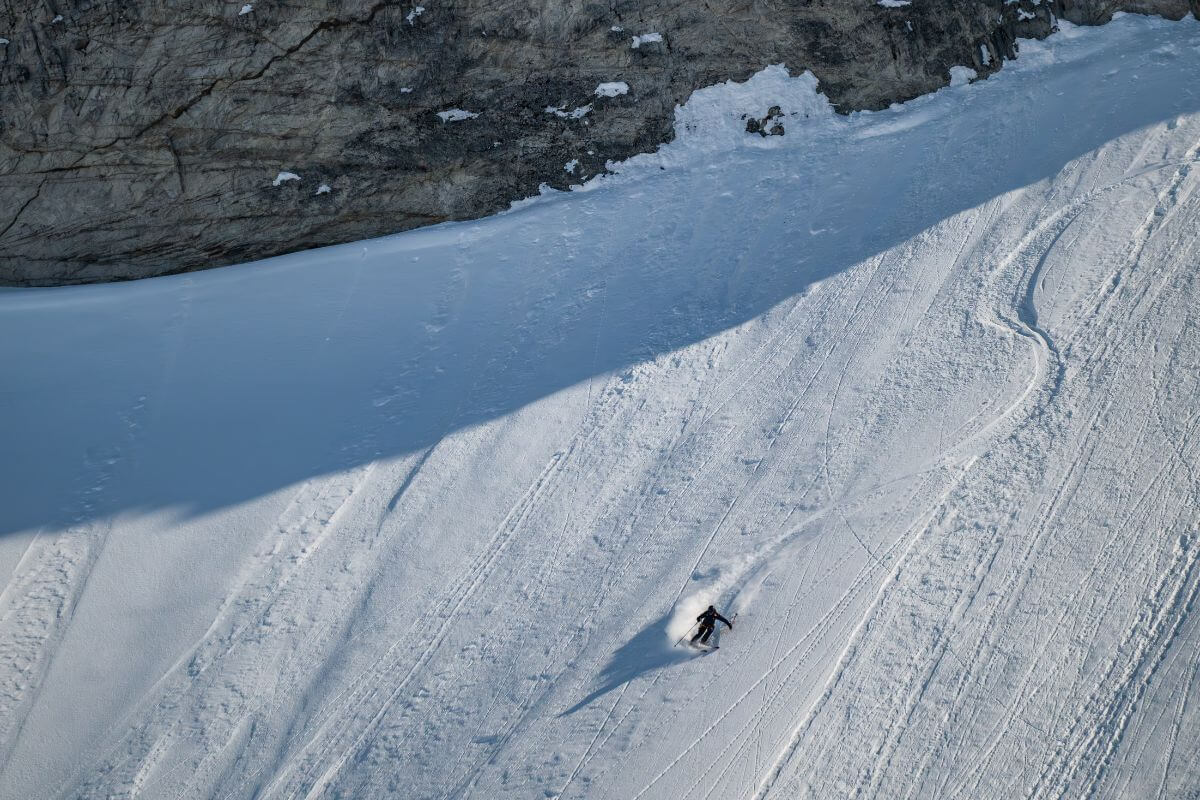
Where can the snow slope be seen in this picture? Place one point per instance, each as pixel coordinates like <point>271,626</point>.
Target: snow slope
<point>912,393</point>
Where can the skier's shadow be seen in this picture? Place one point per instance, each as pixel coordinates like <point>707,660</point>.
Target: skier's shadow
<point>646,652</point>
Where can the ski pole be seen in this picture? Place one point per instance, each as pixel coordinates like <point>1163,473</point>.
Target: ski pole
<point>689,630</point>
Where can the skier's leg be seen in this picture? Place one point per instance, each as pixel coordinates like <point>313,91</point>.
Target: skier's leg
<point>707,633</point>
<point>699,633</point>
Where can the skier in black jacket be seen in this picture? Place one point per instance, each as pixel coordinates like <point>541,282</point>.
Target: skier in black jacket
<point>708,620</point>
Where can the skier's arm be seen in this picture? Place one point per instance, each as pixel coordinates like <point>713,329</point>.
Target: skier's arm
<point>727,622</point>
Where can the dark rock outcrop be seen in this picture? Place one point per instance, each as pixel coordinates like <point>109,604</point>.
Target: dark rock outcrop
<point>148,137</point>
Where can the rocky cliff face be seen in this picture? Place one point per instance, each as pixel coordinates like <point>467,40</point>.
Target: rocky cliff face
<point>153,136</point>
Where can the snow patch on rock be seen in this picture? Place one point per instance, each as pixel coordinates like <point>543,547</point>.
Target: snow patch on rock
<point>646,38</point>
<point>612,89</point>
<point>456,115</point>
<point>714,118</point>
<point>575,113</point>
<point>961,76</point>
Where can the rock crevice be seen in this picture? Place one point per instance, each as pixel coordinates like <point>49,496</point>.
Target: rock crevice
<point>143,138</point>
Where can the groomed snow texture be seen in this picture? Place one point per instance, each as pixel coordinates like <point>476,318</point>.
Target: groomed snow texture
<point>913,393</point>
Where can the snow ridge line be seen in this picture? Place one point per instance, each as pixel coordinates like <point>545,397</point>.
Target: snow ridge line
<point>682,442</point>
<point>681,438</point>
<point>1119,710</point>
<point>1069,767</point>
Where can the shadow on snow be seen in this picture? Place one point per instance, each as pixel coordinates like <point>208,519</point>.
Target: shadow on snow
<point>197,392</point>
<point>646,652</point>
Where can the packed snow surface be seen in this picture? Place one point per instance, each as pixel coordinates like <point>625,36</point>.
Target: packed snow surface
<point>912,393</point>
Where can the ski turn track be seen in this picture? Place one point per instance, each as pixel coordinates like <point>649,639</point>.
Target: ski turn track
<point>912,393</point>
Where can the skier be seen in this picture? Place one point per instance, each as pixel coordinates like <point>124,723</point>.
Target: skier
<point>708,620</point>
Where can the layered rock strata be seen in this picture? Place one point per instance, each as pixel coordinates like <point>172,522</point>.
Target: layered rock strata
<point>151,137</point>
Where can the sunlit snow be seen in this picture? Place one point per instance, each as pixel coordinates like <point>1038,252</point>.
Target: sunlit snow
<point>911,393</point>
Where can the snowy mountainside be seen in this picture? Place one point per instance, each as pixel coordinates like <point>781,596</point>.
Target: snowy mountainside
<point>910,392</point>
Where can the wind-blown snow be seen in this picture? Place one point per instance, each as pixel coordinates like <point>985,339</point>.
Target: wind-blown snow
<point>910,392</point>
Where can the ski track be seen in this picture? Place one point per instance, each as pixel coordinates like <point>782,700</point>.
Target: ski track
<point>946,480</point>
<point>1159,638</point>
